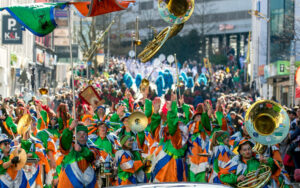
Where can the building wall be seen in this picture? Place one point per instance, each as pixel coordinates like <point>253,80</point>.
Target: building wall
<point>274,83</point>
<point>23,53</point>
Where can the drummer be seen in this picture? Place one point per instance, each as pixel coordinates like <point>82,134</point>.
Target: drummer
<point>9,176</point>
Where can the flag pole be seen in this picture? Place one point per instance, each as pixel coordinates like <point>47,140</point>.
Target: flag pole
<point>72,69</point>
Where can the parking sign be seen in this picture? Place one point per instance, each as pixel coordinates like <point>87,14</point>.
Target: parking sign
<point>11,30</point>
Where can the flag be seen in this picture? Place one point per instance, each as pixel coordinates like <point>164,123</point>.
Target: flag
<point>96,7</point>
<point>38,18</point>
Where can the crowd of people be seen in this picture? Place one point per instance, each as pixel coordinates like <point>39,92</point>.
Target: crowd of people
<point>195,132</point>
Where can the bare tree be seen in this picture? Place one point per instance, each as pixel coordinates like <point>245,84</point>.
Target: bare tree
<point>86,37</point>
<point>200,22</point>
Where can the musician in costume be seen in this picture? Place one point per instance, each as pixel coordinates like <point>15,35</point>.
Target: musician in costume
<point>130,166</point>
<point>9,176</point>
<point>116,117</point>
<point>63,116</point>
<point>238,136</point>
<point>239,166</point>
<point>172,146</point>
<point>198,146</point>
<point>106,142</point>
<point>220,117</point>
<point>221,154</point>
<point>50,139</point>
<point>34,150</point>
<point>76,167</point>
<point>100,114</point>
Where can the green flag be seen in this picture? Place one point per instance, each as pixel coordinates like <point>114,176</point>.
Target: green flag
<point>37,18</point>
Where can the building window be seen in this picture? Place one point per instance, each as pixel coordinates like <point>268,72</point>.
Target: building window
<point>281,28</point>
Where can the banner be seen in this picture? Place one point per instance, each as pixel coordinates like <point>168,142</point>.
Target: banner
<point>11,30</point>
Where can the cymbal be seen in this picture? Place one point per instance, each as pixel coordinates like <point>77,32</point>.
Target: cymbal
<point>138,121</point>
<point>22,158</point>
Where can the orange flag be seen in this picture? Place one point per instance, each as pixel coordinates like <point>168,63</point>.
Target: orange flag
<point>96,7</point>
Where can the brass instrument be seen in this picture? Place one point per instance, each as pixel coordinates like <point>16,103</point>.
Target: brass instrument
<point>43,91</point>
<point>21,153</point>
<point>267,123</point>
<point>137,40</point>
<point>97,43</point>
<point>137,121</point>
<point>24,124</point>
<point>175,12</point>
<point>144,85</point>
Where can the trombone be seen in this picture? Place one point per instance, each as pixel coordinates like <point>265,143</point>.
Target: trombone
<point>97,43</point>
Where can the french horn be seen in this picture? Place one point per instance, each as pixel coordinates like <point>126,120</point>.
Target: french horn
<point>175,12</point>
<point>268,124</point>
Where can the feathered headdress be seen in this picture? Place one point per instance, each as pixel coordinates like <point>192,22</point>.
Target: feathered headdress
<point>184,76</point>
<point>138,80</point>
<point>128,80</point>
<point>190,82</point>
<point>160,85</point>
<point>168,78</point>
<point>202,79</point>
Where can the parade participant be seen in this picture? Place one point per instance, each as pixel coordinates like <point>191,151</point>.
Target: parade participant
<point>239,166</point>
<point>236,121</point>
<point>198,146</point>
<point>172,146</point>
<point>76,167</point>
<point>8,176</point>
<point>43,119</point>
<point>107,143</point>
<point>35,150</point>
<point>50,139</point>
<point>221,154</point>
<point>235,139</point>
<point>130,166</point>
<point>100,114</point>
<point>139,137</point>
<point>63,116</point>
<point>219,114</point>
<point>116,117</point>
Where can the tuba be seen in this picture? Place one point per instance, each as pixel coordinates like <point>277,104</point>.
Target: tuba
<point>267,123</point>
<point>175,12</point>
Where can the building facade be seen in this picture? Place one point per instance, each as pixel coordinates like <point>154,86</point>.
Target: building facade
<point>223,22</point>
<point>16,57</point>
<point>273,49</point>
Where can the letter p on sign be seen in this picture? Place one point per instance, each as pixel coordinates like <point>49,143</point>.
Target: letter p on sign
<point>11,24</point>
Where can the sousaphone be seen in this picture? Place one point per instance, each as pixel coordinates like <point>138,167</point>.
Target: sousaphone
<point>268,124</point>
<point>175,12</point>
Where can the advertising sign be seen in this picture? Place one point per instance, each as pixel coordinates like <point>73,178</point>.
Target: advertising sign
<point>11,30</point>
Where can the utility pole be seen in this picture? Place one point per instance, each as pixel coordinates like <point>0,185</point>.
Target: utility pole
<point>292,73</point>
